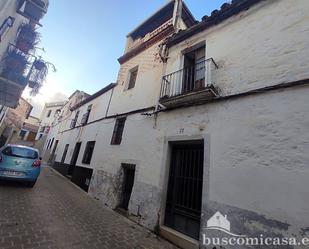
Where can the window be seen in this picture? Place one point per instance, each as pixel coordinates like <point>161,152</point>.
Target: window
<point>49,113</point>
<point>132,78</point>
<point>74,121</point>
<point>86,115</point>
<point>42,129</point>
<point>20,152</point>
<point>118,130</point>
<point>6,25</point>
<point>51,144</point>
<point>48,144</point>
<point>22,134</point>
<point>64,153</point>
<point>88,152</point>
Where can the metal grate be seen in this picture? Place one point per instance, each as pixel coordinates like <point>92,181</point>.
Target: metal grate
<point>184,194</point>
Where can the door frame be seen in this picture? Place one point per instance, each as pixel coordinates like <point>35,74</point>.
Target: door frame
<point>165,171</point>
<point>126,167</point>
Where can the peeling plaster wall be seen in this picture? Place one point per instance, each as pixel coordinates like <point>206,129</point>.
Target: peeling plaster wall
<point>258,162</point>
<point>258,171</point>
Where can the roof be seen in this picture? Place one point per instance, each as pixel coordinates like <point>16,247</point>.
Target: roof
<point>226,11</point>
<point>34,117</point>
<point>54,104</point>
<point>159,17</point>
<point>93,96</point>
<point>78,91</point>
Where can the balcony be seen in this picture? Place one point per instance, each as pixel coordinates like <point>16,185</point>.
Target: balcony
<point>33,10</point>
<point>189,85</point>
<point>10,92</point>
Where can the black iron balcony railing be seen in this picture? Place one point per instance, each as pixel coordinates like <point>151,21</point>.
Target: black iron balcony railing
<point>188,79</point>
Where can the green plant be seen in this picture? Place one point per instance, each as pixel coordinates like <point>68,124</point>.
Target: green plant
<point>27,38</point>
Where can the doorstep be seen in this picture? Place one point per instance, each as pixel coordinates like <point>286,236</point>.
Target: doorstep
<point>178,238</point>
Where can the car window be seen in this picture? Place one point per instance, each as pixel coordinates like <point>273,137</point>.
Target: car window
<point>20,152</point>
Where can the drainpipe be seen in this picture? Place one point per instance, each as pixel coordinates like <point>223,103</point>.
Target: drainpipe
<point>164,57</point>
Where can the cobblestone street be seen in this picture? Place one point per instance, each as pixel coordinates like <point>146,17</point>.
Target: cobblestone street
<point>55,214</point>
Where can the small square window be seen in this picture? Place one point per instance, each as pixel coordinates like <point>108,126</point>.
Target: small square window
<point>88,152</point>
<point>118,130</point>
<point>132,78</point>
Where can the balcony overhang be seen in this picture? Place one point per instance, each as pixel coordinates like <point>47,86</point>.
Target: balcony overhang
<point>10,92</point>
<point>199,96</point>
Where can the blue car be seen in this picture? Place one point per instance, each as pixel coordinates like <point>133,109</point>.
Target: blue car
<point>20,163</point>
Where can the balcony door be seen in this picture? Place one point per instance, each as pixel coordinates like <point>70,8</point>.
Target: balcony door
<point>194,70</point>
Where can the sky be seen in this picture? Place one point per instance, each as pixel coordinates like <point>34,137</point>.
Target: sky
<point>85,40</point>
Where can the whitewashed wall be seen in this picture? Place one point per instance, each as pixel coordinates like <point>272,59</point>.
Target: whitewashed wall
<point>263,46</point>
<point>257,171</point>
<point>147,85</point>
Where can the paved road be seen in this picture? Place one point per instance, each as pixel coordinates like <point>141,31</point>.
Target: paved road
<point>55,214</point>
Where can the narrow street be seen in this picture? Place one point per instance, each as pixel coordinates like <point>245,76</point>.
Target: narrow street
<point>55,214</point>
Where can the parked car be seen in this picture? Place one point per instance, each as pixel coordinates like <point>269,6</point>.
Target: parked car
<point>20,163</point>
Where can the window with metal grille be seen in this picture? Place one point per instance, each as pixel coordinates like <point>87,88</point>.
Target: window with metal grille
<point>88,152</point>
<point>133,76</point>
<point>118,130</point>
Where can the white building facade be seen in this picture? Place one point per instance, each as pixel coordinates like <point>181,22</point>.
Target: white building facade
<point>50,112</point>
<point>212,118</point>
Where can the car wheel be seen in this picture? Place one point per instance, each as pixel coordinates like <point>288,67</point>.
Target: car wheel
<point>31,184</point>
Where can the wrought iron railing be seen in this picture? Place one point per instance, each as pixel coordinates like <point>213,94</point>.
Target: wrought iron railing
<point>188,79</point>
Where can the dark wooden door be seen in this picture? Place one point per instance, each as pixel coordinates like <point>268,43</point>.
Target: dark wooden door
<point>129,174</point>
<point>184,193</point>
<point>74,158</point>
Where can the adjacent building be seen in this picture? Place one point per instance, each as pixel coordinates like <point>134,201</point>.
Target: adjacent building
<point>13,122</point>
<point>205,117</point>
<point>18,22</point>
<point>50,112</point>
<point>29,131</point>
<point>56,117</point>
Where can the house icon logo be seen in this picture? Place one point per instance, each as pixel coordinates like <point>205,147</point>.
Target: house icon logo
<point>220,222</point>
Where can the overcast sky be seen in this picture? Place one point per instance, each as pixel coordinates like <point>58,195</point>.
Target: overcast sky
<point>84,40</point>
